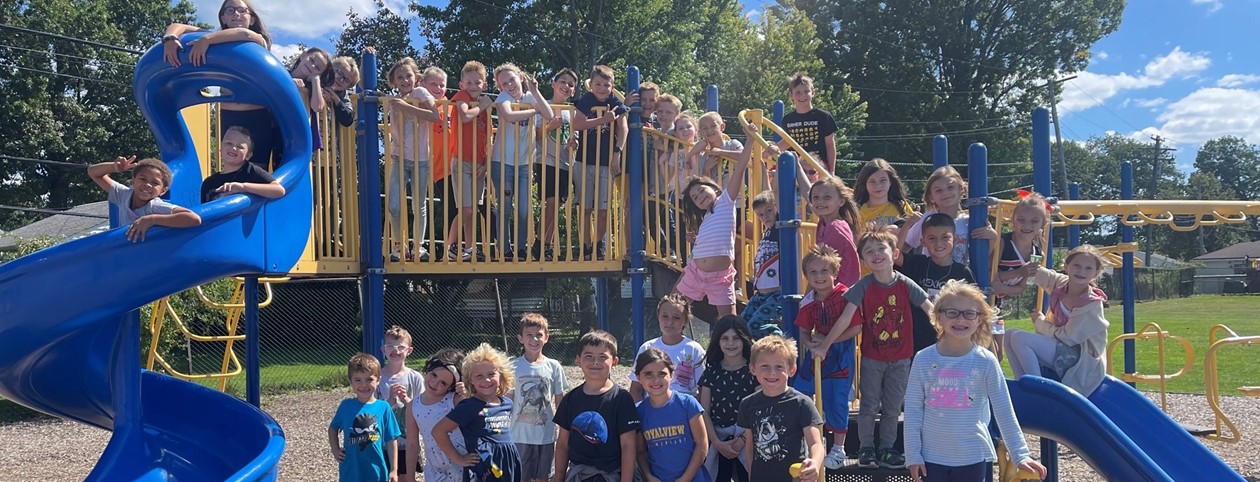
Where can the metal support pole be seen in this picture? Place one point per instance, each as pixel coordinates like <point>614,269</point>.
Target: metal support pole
<point>372,286</point>
<point>637,235</point>
<point>1041,184</point>
<point>1128,291</point>
<point>601,304</point>
<point>776,113</point>
<point>711,99</point>
<point>940,151</point>
<point>978,211</point>
<point>1074,231</point>
<point>789,225</point>
<point>253,383</point>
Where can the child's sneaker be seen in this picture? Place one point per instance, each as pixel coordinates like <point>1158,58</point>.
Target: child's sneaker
<point>424,254</point>
<point>466,255</point>
<point>835,458</point>
<point>395,255</point>
<point>867,458</point>
<point>892,459</point>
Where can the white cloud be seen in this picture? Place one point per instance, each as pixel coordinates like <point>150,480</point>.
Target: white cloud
<point>1213,5</point>
<point>1090,87</point>
<point>1209,113</point>
<point>311,20</point>
<point>282,52</point>
<point>1150,103</point>
<point>1102,55</point>
<point>1237,80</point>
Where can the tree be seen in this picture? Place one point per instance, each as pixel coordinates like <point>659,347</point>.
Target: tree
<point>1234,162</point>
<point>388,32</point>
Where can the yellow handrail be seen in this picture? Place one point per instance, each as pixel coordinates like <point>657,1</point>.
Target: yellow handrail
<point>1226,431</point>
<point>1152,331</point>
<point>157,318</point>
<point>232,305</point>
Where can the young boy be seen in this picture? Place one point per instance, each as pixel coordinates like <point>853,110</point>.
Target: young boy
<point>551,172</point>
<point>509,163</point>
<point>140,207</point>
<point>764,310</point>
<point>820,315</point>
<point>648,97</point>
<point>932,270</point>
<point>471,128</point>
<point>777,418</point>
<point>687,354</point>
<point>238,174</point>
<point>370,451</point>
<point>814,129</point>
<point>598,422</point>
<point>882,300</point>
<point>602,141</point>
<point>539,389</point>
<point>395,376</point>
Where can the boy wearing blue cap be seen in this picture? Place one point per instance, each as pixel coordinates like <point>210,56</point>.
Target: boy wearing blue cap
<point>597,421</point>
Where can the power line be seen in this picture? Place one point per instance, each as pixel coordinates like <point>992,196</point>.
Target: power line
<point>1104,106</point>
<point>43,161</point>
<point>72,39</point>
<point>53,211</point>
<point>89,59</point>
<point>59,74</point>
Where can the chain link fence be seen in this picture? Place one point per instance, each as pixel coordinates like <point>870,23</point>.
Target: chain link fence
<point>1152,284</point>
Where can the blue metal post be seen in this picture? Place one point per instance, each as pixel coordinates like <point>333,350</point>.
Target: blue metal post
<point>601,304</point>
<point>776,113</point>
<point>1127,278</point>
<point>940,151</point>
<point>711,99</point>
<point>978,212</point>
<point>634,165</point>
<point>789,251</point>
<point>372,285</point>
<point>253,384</point>
<point>1041,184</point>
<point>1074,231</point>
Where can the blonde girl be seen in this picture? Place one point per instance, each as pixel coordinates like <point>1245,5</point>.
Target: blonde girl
<point>955,387</point>
<point>944,193</point>
<point>409,134</point>
<point>838,220</point>
<point>484,419</point>
<point>337,95</point>
<point>443,389</point>
<point>1072,341</point>
<point>880,195</point>
<point>670,424</point>
<point>1021,253</point>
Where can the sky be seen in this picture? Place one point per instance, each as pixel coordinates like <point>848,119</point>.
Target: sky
<point>1186,70</point>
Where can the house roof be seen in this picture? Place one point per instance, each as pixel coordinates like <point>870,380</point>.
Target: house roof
<point>88,219</point>
<point>1238,251</point>
<point>1159,260</point>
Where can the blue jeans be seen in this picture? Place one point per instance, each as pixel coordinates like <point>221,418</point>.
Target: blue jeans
<point>414,176</point>
<point>512,182</point>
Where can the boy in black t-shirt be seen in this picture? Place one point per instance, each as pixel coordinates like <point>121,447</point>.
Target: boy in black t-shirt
<point>602,139</point>
<point>932,270</point>
<point>238,174</point>
<point>814,129</point>
<point>778,418</point>
<point>598,424</point>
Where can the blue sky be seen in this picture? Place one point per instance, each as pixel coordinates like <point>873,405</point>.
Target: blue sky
<point>1188,70</point>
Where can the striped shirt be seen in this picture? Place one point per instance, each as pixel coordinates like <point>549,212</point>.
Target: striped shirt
<point>948,401</point>
<point>716,236</point>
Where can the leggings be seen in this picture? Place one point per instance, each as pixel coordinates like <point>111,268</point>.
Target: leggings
<point>966,473</point>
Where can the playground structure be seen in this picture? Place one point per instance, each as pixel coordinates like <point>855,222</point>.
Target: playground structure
<point>1116,429</point>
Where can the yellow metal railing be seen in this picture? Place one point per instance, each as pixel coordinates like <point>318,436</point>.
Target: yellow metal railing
<point>1226,430</point>
<point>1152,331</point>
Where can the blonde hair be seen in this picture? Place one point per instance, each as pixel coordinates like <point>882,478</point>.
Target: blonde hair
<point>473,66</point>
<point>822,253</point>
<point>350,70</point>
<point>713,116</point>
<point>849,210</point>
<point>533,320</point>
<point>506,67</point>
<point>484,353</point>
<point>400,333</point>
<point>405,62</point>
<point>649,87</point>
<point>602,71</point>
<point>956,288</point>
<point>363,362</point>
<point>1037,203</point>
<point>774,345</point>
<point>672,100</point>
<point>943,173</point>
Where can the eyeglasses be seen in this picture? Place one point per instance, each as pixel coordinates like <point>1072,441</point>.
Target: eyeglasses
<point>395,347</point>
<point>232,10</point>
<point>969,315</point>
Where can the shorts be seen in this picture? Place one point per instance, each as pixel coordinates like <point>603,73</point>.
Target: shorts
<point>537,460</point>
<point>764,313</point>
<point>837,382</point>
<point>594,190</point>
<point>718,286</point>
<point>553,182</point>
<point>466,183</point>
<point>402,462</point>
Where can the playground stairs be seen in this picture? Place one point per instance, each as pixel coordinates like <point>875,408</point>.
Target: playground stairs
<point>851,472</point>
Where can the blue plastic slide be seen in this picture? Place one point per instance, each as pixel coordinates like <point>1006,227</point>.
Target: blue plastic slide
<point>1117,431</point>
<point>68,333</point>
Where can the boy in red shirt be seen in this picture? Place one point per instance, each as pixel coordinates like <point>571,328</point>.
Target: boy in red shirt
<point>470,162</point>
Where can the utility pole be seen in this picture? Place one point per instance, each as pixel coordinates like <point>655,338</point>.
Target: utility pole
<point>1157,161</point>
<point>1058,136</point>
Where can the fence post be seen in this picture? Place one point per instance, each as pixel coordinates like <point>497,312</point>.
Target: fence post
<point>372,284</point>
<point>634,166</point>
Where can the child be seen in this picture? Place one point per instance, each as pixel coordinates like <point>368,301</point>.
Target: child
<point>726,382</point>
<point>880,196</point>
<point>814,129</point>
<point>1021,253</point>
<point>141,207</point>
<point>882,300</point>
<point>677,167</point>
<point>777,419</point>
<point>410,156</point>
<point>712,148</point>
<point>648,98</point>
<point>944,193</point>
<point>673,313</point>
<point>551,172</point>
<point>931,271</point>
<point>471,129</point>
<point>238,175</point>
<point>399,384</point>
<point>668,110</point>
<point>337,95</point>
<point>671,423</point>
<point>509,164</point>
<point>837,215</point>
<point>539,388</point>
<point>955,387</point>
<point>711,271</point>
<point>443,390</point>
<point>1073,340</point>
<point>370,450</point>
<point>820,315</point>
<point>603,139</point>
<point>484,419</point>
<point>433,79</point>
<point>598,422</point>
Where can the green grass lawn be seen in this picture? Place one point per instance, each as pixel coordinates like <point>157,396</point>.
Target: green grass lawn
<point>1190,318</point>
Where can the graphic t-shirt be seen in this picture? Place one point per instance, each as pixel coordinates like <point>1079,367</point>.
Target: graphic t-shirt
<point>120,197</point>
<point>471,136</point>
<point>595,424</point>
<point>778,427</point>
<point>887,326</point>
<point>667,431</point>
<point>365,427</point>
<point>688,357</point>
<point>249,172</point>
<point>767,261</point>
<point>513,146</point>
<point>810,129</point>
<point>537,385</point>
<point>410,379</point>
<point>931,277</point>
<point>597,144</point>
<point>488,429</point>
<point>821,315</point>
<point>726,389</point>
<point>552,149</point>
<point>884,214</point>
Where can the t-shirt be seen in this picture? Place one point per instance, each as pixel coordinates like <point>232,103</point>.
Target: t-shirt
<point>488,428</point>
<point>412,132</point>
<point>809,130</point>
<point>716,234</point>
<point>720,170</point>
<point>552,150</point>
<point>365,428</point>
<point>595,424</point>
<point>688,357</point>
<point>822,315</point>
<point>440,137</point>
<point>120,197</point>
<point>766,260</point>
<point>667,433</point>
<point>887,327</point>
<point>931,277</point>
<point>410,379</point>
<point>726,389</point>
<point>962,233</point>
<point>473,135</point>
<point>597,144</point>
<point>513,144</point>
<point>249,172</point>
<point>884,214</point>
<point>1011,260</point>
<point>839,236</point>
<point>778,427</point>
<point>537,385</point>
<point>948,405</point>
<point>438,468</point>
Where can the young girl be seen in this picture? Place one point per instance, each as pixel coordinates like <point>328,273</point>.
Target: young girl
<point>837,214</point>
<point>410,155</point>
<point>1073,340</point>
<point>670,424</point>
<point>442,391</point>
<point>955,387</point>
<point>944,193</point>
<point>1021,249</point>
<point>726,381</point>
<point>879,194</point>
<point>310,74</point>
<point>485,420</point>
<point>711,271</point>
<point>345,76</point>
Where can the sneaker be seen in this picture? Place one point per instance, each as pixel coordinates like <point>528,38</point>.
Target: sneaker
<point>549,253</point>
<point>424,254</point>
<point>835,458</point>
<point>892,459</point>
<point>453,253</point>
<point>466,254</point>
<point>535,250</point>
<point>395,255</point>
<point>600,252</point>
<point>587,251</point>
<point>867,458</point>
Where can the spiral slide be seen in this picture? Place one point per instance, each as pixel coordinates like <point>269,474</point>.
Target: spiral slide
<point>1117,431</point>
<point>69,340</point>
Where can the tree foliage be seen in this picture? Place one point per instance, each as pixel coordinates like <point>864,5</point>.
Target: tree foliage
<point>386,31</point>
<point>1234,162</point>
